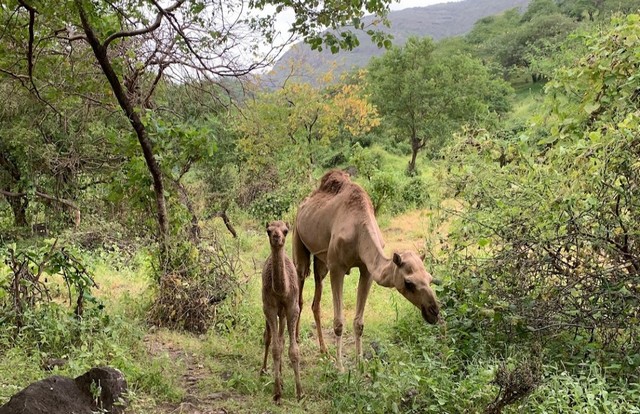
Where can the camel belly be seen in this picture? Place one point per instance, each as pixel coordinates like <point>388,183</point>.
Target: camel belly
<point>327,238</point>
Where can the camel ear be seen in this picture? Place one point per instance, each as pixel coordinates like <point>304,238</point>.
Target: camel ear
<point>397,259</point>
<point>286,223</point>
<point>423,256</point>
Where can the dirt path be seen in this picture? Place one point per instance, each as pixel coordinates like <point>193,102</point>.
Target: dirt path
<point>195,400</point>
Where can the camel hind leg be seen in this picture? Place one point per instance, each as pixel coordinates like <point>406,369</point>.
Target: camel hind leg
<point>320,270</point>
<point>302,261</point>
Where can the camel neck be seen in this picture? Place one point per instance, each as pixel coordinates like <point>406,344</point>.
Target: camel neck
<point>279,279</point>
<point>372,254</point>
<point>384,275</point>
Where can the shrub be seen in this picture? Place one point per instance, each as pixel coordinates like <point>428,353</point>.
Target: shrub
<point>383,189</point>
<point>273,205</point>
<point>368,161</point>
<point>193,280</point>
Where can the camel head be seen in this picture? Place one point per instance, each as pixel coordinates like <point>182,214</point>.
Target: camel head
<point>277,232</point>
<point>413,282</point>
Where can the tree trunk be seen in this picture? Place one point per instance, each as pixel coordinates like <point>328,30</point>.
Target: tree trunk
<point>415,147</point>
<point>227,222</point>
<point>100,52</point>
<point>19,208</point>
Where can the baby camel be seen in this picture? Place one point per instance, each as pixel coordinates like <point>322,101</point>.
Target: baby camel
<point>279,301</point>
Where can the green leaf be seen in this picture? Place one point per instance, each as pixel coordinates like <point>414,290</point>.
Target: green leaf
<point>591,108</point>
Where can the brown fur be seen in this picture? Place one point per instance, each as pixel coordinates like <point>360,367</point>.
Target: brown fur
<point>336,224</point>
<point>333,182</point>
<point>280,294</point>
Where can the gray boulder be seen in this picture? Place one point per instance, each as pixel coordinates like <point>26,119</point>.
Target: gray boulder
<point>61,395</point>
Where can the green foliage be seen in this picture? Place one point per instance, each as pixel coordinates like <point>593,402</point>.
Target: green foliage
<point>515,43</point>
<point>424,96</point>
<point>367,161</point>
<point>50,332</point>
<point>415,193</point>
<point>26,284</point>
<point>548,226</point>
<point>273,205</point>
<point>311,20</point>
<point>382,187</point>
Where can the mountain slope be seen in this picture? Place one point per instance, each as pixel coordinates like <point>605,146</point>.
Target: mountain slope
<point>438,21</point>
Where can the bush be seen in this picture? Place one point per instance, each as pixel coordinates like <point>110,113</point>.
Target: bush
<point>272,205</point>
<point>550,229</point>
<point>414,193</point>
<point>383,189</point>
<point>193,280</point>
<point>27,284</point>
<point>368,161</point>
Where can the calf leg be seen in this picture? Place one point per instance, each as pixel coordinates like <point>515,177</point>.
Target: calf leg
<point>276,349</point>
<point>267,344</point>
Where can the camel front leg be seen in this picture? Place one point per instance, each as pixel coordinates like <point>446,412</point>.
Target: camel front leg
<point>337,282</point>
<point>319,272</point>
<point>364,286</point>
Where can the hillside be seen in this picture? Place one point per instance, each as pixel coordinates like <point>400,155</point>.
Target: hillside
<point>438,21</point>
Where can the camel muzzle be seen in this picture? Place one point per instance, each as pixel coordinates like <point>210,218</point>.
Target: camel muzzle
<point>430,315</point>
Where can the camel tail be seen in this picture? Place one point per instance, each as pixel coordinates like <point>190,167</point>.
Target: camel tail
<point>334,181</point>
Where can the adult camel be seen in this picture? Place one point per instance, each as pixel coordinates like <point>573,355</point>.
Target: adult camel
<point>336,224</point>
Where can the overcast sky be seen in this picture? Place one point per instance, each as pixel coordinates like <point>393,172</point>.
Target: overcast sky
<point>286,18</point>
<point>403,4</point>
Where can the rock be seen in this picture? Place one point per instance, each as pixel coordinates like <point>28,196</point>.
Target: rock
<point>54,395</point>
<point>111,384</point>
<point>61,395</point>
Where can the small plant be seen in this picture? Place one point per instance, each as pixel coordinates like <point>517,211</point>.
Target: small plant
<point>30,269</point>
<point>514,384</point>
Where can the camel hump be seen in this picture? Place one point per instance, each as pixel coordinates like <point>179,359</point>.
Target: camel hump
<point>334,181</point>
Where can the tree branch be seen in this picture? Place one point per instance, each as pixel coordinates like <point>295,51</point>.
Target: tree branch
<point>130,33</point>
<point>30,64</point>
<point>40,194</point>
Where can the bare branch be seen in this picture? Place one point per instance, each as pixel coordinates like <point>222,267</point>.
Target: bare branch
<point>156,24</point>
<point>40,194</point>
<point>21,78</point>
<point>147,100</point>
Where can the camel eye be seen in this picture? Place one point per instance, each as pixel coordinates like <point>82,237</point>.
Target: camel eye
<point>269,232</point>
<point>410,286</point>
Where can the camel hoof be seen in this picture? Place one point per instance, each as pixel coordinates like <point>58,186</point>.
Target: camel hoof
<point>263,372</point>
<point>277,399</point>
